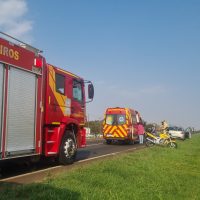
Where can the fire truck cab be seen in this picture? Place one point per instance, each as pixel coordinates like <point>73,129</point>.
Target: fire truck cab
<point>120,124</point>
<point>42,107</point>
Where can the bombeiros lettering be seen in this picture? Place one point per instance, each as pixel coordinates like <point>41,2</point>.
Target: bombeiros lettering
<point>9,52</point>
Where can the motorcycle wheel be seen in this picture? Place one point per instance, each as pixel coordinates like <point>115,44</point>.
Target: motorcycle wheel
<point>149,143</point>
<point>172,145</point>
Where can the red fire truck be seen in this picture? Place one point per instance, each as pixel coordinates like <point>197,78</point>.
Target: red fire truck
<point>42,107</point>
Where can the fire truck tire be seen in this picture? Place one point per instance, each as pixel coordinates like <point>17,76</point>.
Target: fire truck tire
<point>68,149</point>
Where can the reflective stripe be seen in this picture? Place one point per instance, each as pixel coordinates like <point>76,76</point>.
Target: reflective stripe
<point>123,131</point>
<point>119,133</point>
<point>56,123</point>
<point>115,131</point>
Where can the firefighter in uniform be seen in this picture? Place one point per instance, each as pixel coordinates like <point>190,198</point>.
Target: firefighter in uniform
<point>164,126</point>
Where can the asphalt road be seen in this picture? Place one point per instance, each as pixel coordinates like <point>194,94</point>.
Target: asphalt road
<point>96,149</point>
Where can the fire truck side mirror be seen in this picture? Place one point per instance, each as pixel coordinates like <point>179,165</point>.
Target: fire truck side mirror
<point>90,91</point>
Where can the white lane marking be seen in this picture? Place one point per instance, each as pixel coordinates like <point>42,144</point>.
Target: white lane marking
<point>80,161</point>
<point>19,176</point>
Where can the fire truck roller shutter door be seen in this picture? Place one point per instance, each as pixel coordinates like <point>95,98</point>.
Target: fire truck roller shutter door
<point>1,101</point>
<point>21,112</point>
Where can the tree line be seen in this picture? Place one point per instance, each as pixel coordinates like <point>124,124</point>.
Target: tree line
<point>96,126</point>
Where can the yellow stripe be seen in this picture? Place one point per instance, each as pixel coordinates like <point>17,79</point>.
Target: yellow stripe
<point>128,113</point>
<point>106,131</point>
<point>104,127</point>
<point>113,129</point>
<point>56,123</point>
<point>125,127</point>
<point>67,73</point>
<point>61,99</point>
<point>121,135</point>
<point>115,135</point>
<point>110,131</point>
<point>122,129</point>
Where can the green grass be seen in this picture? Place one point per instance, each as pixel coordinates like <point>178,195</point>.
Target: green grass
<point>151,173</point>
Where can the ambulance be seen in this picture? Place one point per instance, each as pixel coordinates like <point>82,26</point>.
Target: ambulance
<point>120,124</point>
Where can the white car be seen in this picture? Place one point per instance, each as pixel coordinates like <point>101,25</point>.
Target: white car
<point>177,132</point>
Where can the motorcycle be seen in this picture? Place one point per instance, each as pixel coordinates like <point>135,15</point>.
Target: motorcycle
<point>164,139</point>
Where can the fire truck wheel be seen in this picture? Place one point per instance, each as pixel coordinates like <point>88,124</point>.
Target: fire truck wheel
<point>68,149</point>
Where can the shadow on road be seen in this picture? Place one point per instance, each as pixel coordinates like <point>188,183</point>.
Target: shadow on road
<point>83,154</point>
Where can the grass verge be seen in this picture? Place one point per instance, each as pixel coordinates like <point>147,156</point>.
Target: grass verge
<point>152,173</point>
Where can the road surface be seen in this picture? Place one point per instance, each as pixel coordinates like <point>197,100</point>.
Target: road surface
<point>96,149</point>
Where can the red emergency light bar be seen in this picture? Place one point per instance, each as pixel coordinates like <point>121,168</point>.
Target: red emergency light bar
<point>38,62</point>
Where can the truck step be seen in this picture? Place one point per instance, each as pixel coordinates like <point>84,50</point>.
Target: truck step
<point>50,131</point>
<point>50,142</point>
<point>51,153</point>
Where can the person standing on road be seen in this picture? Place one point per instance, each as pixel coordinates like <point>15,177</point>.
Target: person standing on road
<point>141,132</point>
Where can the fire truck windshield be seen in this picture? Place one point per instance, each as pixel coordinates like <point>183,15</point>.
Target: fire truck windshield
<point>115,119</point>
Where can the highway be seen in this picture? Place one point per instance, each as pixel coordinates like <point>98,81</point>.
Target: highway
<point>97,148</point>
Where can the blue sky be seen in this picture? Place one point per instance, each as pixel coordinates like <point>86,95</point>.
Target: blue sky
<point>139,54</point>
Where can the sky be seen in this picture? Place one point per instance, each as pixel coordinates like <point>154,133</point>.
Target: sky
<point>139,54</point>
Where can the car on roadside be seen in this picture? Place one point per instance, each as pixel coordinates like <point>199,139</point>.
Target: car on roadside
<point>177,132</point>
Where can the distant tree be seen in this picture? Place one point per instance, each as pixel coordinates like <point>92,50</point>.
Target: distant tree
<point>95,126</point>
